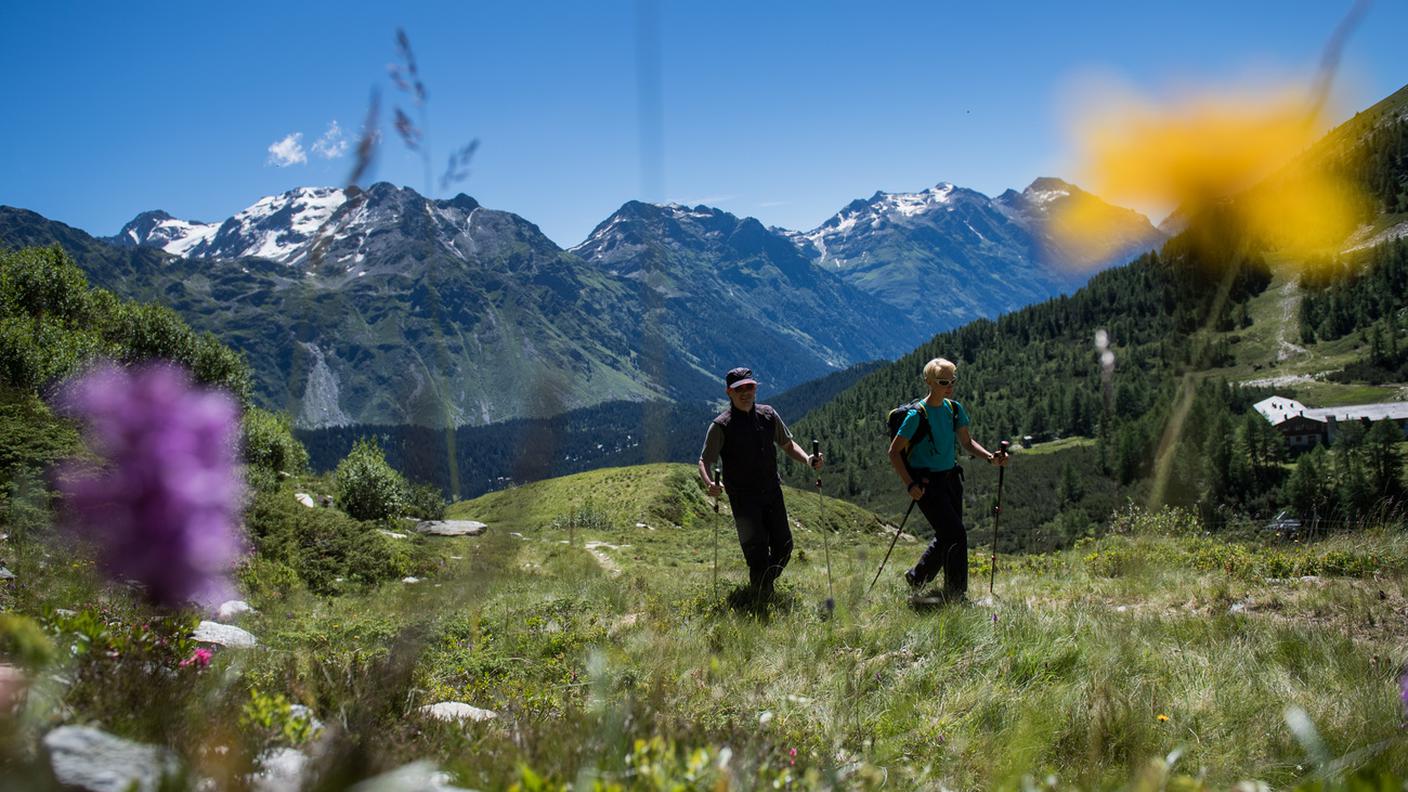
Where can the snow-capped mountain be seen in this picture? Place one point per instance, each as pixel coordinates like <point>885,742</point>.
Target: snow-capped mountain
<point>383,306</point>
<point>160,230</point>
<point>948,255</point>
<point>279,228</point>
<point>712,270</point>
<point>1076,231</point>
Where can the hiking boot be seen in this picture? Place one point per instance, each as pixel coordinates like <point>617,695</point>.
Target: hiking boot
<point>913,582</point>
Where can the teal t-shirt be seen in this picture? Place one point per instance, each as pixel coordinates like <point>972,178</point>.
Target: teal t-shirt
<point>935,452</point>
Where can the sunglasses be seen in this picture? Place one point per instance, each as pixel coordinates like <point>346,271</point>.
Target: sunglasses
<point>946,382</point>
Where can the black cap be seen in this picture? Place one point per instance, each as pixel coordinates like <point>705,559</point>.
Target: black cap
<point>739,376</point>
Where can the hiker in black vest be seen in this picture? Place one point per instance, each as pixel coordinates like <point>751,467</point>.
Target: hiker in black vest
<point>747,436</point>
<point>922,453</point>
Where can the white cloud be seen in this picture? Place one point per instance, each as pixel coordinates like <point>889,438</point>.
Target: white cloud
<point>288,151</point>
<point>332,144</point>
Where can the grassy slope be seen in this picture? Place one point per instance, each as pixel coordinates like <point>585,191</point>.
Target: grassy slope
<point>1067,674</point>
<point>583,650</point>
<point>1271,348</point>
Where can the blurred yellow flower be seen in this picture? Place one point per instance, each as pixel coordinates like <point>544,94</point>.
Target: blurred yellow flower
<point>1163,718</point>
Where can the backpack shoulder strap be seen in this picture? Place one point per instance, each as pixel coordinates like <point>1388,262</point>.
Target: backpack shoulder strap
<point>953,411</point>
<point>923,430</point>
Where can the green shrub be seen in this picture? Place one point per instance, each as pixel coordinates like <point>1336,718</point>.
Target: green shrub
<point>52,323</point>
<point>425,502</point>
<point>267,441</point>
<point>367,488</point>
<point>272,719</point>
<point>329,551</point>
<point>23,641</point>
<point>266,581</point>
<point>1173,521</point>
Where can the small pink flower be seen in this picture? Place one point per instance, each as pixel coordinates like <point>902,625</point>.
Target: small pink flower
<point>792,757</point>
<point>200,659</point>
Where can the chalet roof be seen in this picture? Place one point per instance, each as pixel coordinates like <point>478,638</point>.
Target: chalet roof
<point>1277,409</point>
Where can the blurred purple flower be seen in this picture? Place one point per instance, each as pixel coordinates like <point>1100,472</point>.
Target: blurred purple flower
<point>163,509</point>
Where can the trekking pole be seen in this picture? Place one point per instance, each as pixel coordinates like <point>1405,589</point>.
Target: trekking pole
<point>716,534</point>
<point>996,516</point>
<point>826,543</point>
<point>886,559</point>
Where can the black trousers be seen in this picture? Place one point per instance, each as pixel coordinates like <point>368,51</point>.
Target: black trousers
<point>763,533</point>
<point>942,505</point>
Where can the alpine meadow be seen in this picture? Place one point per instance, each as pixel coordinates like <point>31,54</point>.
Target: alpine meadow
<point>362,482</point>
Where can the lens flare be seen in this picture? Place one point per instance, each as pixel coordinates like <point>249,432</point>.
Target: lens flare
<point>1250,152</point>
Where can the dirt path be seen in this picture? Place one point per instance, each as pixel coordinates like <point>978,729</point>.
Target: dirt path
<point>1290,303</point>
<point>607,563</point>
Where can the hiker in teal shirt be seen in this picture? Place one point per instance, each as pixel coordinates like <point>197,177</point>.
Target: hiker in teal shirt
<point>922,453</point>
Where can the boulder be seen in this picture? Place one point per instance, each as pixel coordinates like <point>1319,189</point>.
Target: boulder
<point>451,527</point>
<point>232,608</point>
<point>92,759</point>
<point>6,574</point>
<point>223,635</point>
<point>305,499</point>
<point>280,770</point>
<point>422,776</point>
<point>456,711</point>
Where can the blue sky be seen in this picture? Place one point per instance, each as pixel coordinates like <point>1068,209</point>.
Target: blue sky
<point>782,111</point>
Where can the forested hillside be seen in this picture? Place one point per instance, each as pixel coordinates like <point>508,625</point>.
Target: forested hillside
<point>1172,321</point>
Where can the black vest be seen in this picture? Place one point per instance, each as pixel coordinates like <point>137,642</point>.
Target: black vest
<point>749,453</point>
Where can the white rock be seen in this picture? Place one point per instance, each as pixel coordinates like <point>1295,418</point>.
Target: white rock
<point>410,579</point>
<point>223,635</point>
<point>315,726</point>
<point>305,499</point>
<point>1237,607</point>
<point>6,574</point>
<point>280,770</point>
<point>94,760</point>
<point>765,718</point>
<point>451,527</point>
<point>391,534</point>
<point>456,711</point>
<point>232,608</point>
<point>422,776</point>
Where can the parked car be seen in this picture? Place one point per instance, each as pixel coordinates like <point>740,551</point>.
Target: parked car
<point>1285,524</point>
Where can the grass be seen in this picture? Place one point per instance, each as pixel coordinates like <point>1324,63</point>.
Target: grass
<point>1261,353</point>
<point>1059,445</point>
<point>1088,670</point>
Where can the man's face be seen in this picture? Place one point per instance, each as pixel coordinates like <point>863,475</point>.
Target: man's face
<point>743,396</point>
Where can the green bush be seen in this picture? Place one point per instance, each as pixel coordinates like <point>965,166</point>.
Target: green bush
<point>425,502</point>
<point>367,488</point>
<point>267,442</point>
<point>23,641</point>
<point>52,323</point>
<point>329,551</point>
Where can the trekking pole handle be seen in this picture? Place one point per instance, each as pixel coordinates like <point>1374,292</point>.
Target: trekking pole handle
<point>816,454</point>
